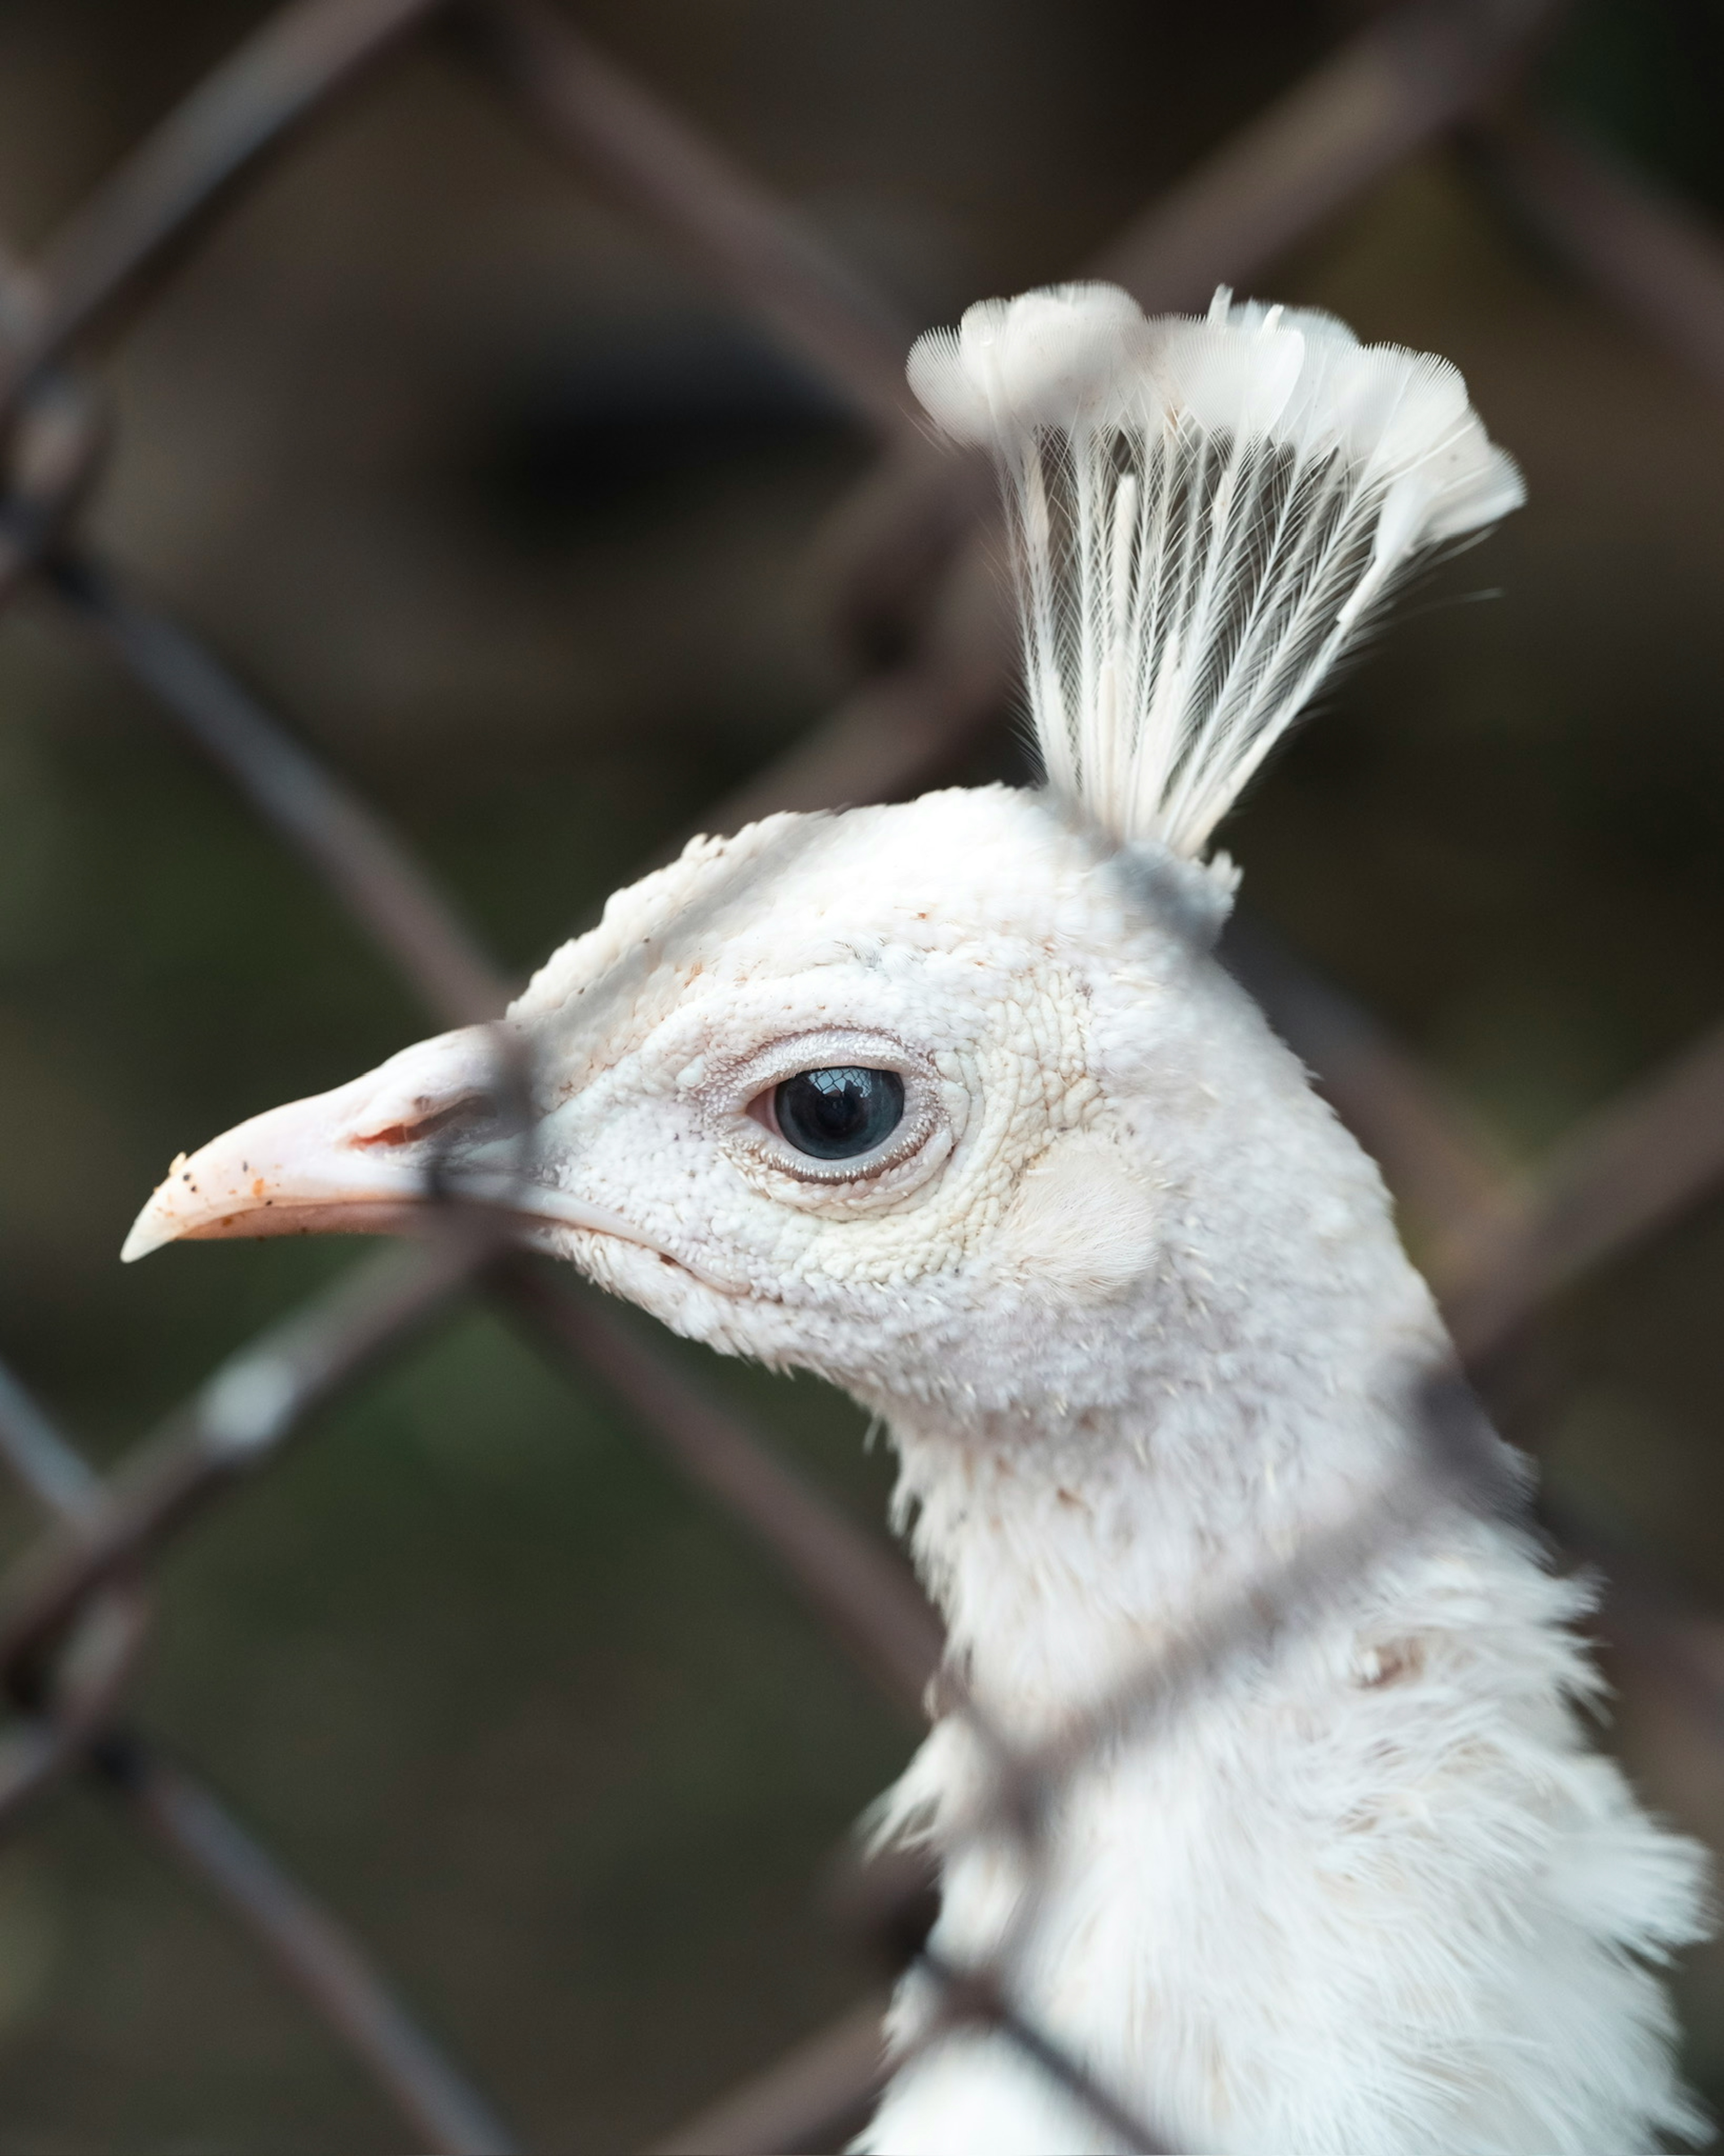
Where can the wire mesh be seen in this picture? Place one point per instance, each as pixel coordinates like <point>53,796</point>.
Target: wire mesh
<point>74,1611</point>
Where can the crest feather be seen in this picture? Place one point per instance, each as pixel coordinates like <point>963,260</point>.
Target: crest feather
<point>1206,513</point>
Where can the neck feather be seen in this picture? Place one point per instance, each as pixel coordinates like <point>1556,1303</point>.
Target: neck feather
<point>1251,1387</point>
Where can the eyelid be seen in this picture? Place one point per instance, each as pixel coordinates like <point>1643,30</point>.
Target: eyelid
<point>745,1091</point>
<point>736,1088</point>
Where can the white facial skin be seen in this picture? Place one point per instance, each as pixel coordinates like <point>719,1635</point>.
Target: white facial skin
<point>893,941</point>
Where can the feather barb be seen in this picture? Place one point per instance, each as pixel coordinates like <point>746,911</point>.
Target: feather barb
<point>1207,514</point>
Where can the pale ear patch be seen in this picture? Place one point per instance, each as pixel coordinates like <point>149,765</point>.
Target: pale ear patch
<point>1083,1222</point>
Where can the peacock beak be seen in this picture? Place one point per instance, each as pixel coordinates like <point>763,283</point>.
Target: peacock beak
<point>372,1157</point>
<point>353,1161</point>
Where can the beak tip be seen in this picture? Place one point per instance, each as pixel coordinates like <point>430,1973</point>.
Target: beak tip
<point>147,1233</point>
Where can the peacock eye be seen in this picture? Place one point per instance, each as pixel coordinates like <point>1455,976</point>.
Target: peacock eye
<point>839,1113</point>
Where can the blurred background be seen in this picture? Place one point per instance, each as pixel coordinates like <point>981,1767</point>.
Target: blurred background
<point>532,535</point>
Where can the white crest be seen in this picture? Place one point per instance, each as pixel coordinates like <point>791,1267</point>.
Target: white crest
<point>1207,514</point>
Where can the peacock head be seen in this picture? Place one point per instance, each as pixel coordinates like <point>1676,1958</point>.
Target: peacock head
<point>829,1093</point>
<point>896,1093</point>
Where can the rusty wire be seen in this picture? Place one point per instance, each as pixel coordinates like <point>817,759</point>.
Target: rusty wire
<point>73,1615</point>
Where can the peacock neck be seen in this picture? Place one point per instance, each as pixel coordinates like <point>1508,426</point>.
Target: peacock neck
<point>1065,1542</point>
<point>1055,1576</point>
<point>1093,1462</point>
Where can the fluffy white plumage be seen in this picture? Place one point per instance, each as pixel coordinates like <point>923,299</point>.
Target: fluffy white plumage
<point>1208,515</point>
<point>1128,1297</point>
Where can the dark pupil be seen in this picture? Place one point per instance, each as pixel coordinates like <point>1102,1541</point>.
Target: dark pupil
<point>835,1114</point>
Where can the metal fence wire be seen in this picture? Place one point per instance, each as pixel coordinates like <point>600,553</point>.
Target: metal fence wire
<point>74,1611</point>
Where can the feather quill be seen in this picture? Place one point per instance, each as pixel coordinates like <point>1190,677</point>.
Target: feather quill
<point>1207,514</point>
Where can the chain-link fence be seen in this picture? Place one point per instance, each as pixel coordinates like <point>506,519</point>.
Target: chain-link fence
<point>75,1613</point>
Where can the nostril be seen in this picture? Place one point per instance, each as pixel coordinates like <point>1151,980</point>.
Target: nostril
<point>414,1130</point>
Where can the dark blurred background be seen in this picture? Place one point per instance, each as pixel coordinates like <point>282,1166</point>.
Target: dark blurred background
<point>522,527</point>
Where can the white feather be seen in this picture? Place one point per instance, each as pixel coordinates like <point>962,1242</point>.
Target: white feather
<point>1207,515</point>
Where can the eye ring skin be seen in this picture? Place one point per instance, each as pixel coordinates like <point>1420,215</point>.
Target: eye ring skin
<point>737,1108</point>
